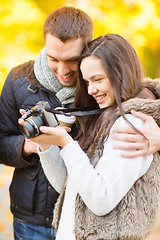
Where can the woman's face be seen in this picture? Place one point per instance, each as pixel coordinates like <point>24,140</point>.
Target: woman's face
<point>99,85</point>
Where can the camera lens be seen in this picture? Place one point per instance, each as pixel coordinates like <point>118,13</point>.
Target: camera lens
<point>30,127</point>
<point>25,131</point>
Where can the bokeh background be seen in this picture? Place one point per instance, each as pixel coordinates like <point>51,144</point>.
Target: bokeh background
<point>21,39</point>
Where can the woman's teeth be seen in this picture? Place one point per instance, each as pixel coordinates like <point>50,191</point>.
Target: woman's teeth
<point>100,97</point>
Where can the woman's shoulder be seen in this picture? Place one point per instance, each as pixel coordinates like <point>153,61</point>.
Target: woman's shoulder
<point>136,122</point>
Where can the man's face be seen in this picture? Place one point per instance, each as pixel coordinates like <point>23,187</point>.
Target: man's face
<point>63,57</point>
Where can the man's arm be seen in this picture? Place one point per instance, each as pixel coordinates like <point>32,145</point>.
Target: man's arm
<point>14,151</point>
<point>131,140</point>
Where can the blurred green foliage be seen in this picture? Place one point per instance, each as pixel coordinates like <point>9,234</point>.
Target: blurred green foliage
<point>21,25</point>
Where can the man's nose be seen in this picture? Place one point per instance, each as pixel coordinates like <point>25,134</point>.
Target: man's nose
<point>63,69</point>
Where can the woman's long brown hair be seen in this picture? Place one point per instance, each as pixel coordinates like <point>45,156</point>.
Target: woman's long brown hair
<point>123,68</point>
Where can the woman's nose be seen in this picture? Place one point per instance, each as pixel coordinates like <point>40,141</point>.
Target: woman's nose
<point>92,89</point>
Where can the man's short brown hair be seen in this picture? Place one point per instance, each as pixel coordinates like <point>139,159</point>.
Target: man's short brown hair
<point>69,23</point>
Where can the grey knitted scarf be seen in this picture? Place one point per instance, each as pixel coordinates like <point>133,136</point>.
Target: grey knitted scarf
<point>48,79</point>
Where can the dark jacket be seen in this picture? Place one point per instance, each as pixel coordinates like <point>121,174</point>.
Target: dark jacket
<point>32,197</point>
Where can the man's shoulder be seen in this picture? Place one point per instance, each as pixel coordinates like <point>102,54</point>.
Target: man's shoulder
<point>23,70</point>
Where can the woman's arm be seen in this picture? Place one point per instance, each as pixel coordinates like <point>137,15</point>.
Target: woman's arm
<point>54,167</point>
<point>103,187</point>
<point>52,163</point>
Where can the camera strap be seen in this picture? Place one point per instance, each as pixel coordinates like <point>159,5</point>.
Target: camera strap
<point>76,111</point>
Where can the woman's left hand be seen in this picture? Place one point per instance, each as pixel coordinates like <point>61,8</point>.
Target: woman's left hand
<point>53,136</point>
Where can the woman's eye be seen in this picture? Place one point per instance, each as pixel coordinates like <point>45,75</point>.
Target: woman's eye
<point>99,79</point>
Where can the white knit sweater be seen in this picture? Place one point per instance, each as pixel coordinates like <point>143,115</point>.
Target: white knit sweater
<point>102,187</point>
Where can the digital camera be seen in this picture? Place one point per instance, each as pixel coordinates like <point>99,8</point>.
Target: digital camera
<point>35,118</point>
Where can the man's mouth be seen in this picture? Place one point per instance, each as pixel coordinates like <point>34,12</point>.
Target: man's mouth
<point>66,77</point>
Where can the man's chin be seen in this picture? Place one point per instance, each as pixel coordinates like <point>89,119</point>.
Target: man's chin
<point>67,83</point>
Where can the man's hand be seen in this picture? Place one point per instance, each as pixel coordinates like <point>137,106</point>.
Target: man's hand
<point>29,147</point>
<point>131,140</point>
<point>22,112</point>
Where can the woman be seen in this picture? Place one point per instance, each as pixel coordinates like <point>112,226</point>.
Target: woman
<point>103,195</point>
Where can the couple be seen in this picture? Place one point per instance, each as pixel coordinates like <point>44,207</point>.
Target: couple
<point>102,194</point>
<point>52,78</point>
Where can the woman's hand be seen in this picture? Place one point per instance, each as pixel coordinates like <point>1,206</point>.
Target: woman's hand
<point>49,137</point>
<point>52,136</point>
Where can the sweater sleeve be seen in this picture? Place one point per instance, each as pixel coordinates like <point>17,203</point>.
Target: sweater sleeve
<point>54,167</point>
<point>104,186</point>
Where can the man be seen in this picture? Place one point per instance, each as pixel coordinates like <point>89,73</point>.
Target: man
<point>52,78</point>
<point>128,139</point>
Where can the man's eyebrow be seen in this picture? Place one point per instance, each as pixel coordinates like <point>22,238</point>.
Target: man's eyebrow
<point>75,58</point>
<point>50,56</point>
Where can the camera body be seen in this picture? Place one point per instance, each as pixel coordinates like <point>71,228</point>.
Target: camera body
<point>37,117</point>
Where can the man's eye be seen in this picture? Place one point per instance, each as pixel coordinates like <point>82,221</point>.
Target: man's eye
<point>53,60</point>
<point>73,61</point>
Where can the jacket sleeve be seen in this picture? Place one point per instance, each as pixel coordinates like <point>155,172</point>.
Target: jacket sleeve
<point>11,141</point>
